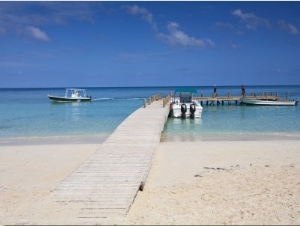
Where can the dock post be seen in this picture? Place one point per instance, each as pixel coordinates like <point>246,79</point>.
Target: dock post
<point>145,103</point>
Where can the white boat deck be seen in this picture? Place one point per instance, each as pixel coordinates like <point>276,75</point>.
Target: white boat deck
<point>102,189</point>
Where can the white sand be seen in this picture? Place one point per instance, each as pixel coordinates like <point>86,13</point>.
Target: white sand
<point>229,182</point>
<point>207,182</point>
<point>29,173</point>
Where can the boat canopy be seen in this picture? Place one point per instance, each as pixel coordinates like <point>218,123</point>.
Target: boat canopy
<point>186,90</point>
<point>75,89</point>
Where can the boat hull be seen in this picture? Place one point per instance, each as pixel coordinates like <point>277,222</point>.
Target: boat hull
<point>249,101</point>
<point>177,113</point>
<point>69,99</point>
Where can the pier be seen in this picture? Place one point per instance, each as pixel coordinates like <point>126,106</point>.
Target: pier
<point>235,99</point>
<point>218,100</point>
<point>102,189</point>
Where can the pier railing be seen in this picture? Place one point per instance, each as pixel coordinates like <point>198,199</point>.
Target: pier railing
<point>156,98</point>
<point>216,99</point>
<point>270,96</point>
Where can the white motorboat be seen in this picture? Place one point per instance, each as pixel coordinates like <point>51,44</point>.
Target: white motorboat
<point>254,101</point>
<point>72,95</point>
<point>185,106</point>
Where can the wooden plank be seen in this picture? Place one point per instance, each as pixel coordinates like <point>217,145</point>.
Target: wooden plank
<point>106,184</point>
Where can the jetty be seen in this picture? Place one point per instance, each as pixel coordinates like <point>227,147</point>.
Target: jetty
<point>102,189</point>
<point>215,99</point>
<point>218,100</point>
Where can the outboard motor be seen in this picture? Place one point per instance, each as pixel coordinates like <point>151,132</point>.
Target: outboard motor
<point>192,111</point>
<point>183,110</point>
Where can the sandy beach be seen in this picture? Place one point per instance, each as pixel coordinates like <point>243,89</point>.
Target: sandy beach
<point>221,182</point>
<point>29,173</point>
<point>202,182</point>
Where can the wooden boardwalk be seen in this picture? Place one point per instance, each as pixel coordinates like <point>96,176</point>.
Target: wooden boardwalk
<point>218,100</point>
<point>235,99</point>
<point>102,189</point>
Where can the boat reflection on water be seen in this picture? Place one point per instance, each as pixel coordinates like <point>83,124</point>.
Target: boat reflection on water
<point>178,121</point>
<point>181,130</point>
<point>75,112</point>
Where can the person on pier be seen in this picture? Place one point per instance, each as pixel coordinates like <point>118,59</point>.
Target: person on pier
<point>215,94</point>
<point>243,91</point>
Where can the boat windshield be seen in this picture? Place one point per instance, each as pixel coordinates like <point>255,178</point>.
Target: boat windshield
<point>185,97</point>
<point>75,92</point>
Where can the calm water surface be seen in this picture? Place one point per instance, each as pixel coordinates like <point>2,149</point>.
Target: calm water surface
<point>29,113</point>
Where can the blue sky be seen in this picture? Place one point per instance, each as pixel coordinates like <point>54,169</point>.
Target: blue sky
<point>153,43</point>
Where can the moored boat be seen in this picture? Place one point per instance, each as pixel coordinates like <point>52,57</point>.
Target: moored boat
<point>261,102</point>
<point>185,106</point>
<point>72,95</point>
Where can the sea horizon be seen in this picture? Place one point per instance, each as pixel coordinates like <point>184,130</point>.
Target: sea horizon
<point>156,86</point>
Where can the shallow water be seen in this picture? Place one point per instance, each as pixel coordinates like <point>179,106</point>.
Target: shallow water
<point>29,113</point>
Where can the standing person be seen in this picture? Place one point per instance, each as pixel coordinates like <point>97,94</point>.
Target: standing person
<point>215,91</point>
<point>243,90</point>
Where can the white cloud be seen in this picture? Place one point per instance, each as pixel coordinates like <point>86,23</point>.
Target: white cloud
<point>25,17</point>
<point>286,26</point>
<point>144,13</point>
<point>37,33</point>
<point>250,19</point>
<point>177,37</point>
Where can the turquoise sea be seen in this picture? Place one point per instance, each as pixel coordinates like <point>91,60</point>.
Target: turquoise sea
<point>28,113</point>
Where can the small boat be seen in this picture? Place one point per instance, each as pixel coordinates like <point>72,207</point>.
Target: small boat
<point>185,106</point>
<point>72,95</point>
<point>261,102</point>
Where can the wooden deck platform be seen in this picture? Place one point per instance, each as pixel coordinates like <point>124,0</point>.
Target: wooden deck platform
<point>232,99</point>
<point>102,189</point>
<point>218,100</point>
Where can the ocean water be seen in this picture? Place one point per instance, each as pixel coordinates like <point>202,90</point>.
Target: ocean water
<point>27,113</point>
